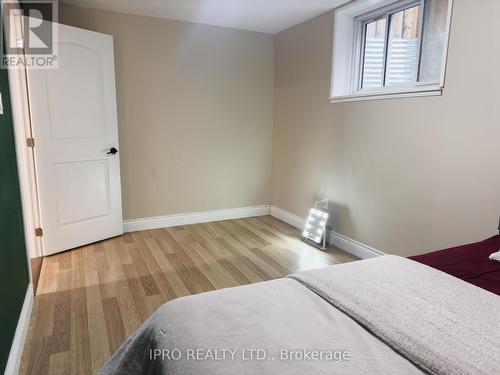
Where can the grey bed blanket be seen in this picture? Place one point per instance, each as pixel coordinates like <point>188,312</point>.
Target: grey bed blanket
<point>385,315</point>
<point>441,323</point>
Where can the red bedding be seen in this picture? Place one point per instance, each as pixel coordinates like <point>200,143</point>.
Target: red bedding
<point>469,263</point>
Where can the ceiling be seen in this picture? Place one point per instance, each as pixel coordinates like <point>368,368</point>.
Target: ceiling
<point>268,16</point>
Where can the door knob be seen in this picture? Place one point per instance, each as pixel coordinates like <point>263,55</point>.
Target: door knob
<point>112,151</point>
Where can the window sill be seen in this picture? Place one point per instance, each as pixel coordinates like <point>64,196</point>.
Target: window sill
<point>389,94</point>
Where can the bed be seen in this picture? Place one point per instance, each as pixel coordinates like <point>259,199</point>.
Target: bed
<point>388,315</point>
<point>469,263</point>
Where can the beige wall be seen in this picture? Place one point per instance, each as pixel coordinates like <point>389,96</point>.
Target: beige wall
<point>404,175</point>
<point>195,106</point>
<point>195,112</point>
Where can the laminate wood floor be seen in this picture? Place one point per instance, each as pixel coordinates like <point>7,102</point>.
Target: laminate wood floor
<point>89,300</point>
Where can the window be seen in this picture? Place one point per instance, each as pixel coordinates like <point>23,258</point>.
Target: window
<point>390,53</point>
<point>374,53</point>
<point>392,48</point>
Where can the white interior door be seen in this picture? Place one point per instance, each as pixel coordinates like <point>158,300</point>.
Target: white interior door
<point>73,110</point>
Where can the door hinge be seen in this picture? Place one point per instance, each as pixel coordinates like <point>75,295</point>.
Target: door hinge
<point>39,232</point>
<point>30,142</point>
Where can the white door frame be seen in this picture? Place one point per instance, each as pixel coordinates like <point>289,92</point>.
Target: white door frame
<point>25,159</point>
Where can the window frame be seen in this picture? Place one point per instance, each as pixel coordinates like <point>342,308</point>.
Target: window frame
<point>386,13</point>
<point>349,44</point>
<point>362,25</point>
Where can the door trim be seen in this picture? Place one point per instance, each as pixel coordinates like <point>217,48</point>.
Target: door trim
<point>25,160</point>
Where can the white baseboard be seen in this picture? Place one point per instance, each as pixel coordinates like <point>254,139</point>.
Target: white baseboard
<point>287,217</point>
<point>353,247</point>
<point>193,218</point>
<point>347,244</point>
<point>16,350</point>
